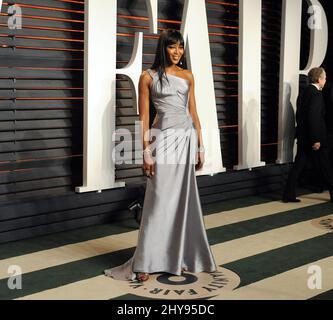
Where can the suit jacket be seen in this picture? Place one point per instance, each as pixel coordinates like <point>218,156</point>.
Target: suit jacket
<point>310,118</point>
<point>328,97</point>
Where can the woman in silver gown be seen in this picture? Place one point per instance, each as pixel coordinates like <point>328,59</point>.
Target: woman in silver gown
<point>172,236</point>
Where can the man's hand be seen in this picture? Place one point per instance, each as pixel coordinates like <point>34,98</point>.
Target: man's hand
<point>316,146</point>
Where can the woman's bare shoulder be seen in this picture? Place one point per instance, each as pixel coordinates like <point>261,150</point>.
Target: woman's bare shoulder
<point>145,76</point>
<point>187,74</point>
<point>145,73</point>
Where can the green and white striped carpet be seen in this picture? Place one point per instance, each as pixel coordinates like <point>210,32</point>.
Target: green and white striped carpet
<point>278,250</point>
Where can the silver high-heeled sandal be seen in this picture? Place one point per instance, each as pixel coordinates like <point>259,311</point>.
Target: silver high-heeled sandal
<point>142,276</point>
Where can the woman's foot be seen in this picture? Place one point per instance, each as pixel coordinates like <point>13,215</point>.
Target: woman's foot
<point>141,276</point>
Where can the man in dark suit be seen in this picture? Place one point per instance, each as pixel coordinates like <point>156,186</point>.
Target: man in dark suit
<point>328,96</point>
<point>311,135</point>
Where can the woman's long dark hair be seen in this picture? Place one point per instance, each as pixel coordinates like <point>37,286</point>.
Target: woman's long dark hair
<point>167,38</point>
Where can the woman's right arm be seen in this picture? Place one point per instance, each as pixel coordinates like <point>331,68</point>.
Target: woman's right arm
<point>144,85</point>
<point>144,107</point>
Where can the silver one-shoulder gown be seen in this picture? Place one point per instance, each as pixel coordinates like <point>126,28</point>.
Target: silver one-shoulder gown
<point>172,234</point>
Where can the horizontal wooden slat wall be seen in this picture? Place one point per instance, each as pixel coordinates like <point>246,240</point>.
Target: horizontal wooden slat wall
<point>41,124</point>
<point>271,41</point>
<point>41,112</point>
<point>224,35</point>
<point>41,99</point>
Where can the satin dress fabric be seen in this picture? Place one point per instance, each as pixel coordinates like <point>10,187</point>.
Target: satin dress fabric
<point>172,235</point>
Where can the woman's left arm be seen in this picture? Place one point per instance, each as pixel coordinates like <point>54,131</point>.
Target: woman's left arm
<point>193,108</point>
<point>200,154</point>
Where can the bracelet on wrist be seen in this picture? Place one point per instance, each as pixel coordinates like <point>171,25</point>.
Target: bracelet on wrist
<point>201,149</point>
<point>147,150</point>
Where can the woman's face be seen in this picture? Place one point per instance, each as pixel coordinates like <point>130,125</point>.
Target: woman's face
<point>175,52</point>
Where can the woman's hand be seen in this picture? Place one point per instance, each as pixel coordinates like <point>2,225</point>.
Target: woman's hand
<point>200,160</point>
<point>148,164</point>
